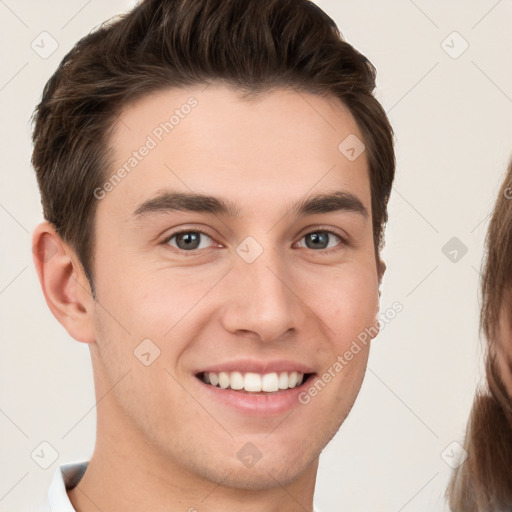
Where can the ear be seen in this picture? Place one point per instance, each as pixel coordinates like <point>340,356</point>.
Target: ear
<point>380,270</point>
<point>63,282</point>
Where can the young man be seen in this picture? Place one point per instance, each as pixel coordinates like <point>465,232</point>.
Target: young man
<point>214,177</point>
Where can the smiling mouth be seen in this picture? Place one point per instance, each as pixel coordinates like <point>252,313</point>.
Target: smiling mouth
<point>249,382</point>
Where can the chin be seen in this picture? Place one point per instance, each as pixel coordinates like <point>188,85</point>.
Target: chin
<point>264,476</point>
<point>281,468</point>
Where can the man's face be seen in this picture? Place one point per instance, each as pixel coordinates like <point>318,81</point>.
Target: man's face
<point>266,292</point>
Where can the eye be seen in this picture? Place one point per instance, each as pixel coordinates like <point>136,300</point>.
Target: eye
<point>187,240</point>
<point>194,240</point>
<point>321,239</point>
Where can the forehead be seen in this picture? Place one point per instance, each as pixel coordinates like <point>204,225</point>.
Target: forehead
<point>212,140</point>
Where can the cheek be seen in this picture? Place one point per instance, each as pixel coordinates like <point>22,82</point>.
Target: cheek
<point>348,304</point>
<point>149,305</point>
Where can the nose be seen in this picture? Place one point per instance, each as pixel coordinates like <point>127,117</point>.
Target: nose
<point>261,299</point>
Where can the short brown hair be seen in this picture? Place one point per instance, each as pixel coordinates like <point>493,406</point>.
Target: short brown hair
<point>251,45</point>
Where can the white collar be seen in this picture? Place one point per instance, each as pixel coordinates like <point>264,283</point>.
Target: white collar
<point>65,477</point>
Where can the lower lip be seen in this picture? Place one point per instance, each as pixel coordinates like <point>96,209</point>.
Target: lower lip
<point>258,404</point>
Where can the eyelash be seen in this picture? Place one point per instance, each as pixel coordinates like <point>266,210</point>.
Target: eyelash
<point>195,252</point>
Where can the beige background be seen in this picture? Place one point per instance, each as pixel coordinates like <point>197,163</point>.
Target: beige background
<point>453,124</point>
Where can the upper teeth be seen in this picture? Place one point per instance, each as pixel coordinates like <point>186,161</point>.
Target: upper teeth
<point>254,382</point>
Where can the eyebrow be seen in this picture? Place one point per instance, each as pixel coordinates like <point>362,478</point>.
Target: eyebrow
<point>179,201</point>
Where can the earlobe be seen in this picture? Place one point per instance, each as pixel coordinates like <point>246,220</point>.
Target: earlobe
<point>63,282</point>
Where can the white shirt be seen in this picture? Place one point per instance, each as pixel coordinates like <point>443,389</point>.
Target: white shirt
<point>65,478</point>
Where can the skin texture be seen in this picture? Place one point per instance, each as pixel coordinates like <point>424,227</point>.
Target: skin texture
<point>162,444</point>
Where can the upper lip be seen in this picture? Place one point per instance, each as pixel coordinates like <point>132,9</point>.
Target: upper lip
<point>257,366</point>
